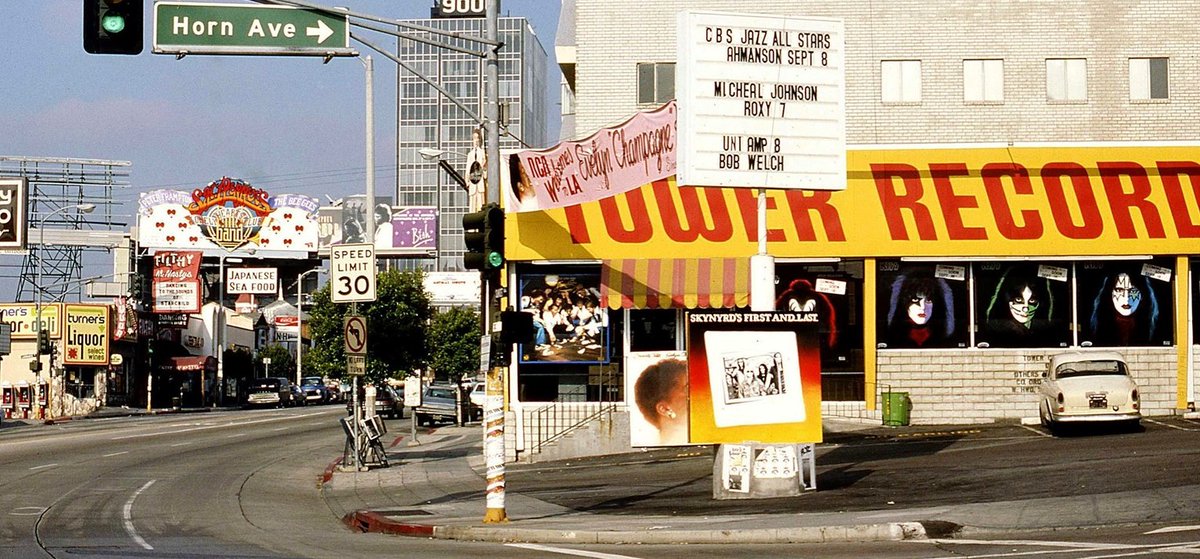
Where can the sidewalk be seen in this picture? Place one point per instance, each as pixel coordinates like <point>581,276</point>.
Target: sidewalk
<point>436,489</point>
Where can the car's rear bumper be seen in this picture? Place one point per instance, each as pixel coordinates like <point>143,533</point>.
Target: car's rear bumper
<point>1096,417</point>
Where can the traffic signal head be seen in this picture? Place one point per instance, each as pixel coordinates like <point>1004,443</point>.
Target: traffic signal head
<point>43,344</point>
<point>112,26</point>
<point>483,235</point>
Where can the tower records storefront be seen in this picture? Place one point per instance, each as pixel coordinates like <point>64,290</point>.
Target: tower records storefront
<point>948,272</point>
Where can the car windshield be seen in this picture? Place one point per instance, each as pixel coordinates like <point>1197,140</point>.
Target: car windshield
<point>1089,368</point>
<point>311,380</point>
<point>440,393</point>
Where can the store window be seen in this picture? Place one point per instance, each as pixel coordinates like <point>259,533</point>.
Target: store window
<point>1022,304</point>
<point>834,292</point>
<point>654,330</point>
<point>924,305</point>
<point>1125,303</point>
<point>576,355</point>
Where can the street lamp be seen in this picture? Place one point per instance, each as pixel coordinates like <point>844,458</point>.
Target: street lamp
<point>219,328</point>
<point>37,312</point>
<point>300,321</point>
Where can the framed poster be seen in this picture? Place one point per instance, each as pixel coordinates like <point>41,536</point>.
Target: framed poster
<point>924,306</point>
<point>570,325</point>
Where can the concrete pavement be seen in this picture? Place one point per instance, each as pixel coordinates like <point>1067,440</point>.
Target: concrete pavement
<point>875,484</point>
<point>435,489</point>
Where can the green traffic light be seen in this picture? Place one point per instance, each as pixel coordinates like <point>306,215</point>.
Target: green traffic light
<point>113,23</point>
<point>495,259</point>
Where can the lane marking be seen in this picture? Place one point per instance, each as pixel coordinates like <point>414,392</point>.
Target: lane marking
<point>128,512</point>
<point>1038,431</point>
<point>28,511</point>
<point>181,444</point>
<point>111,454</point>
<point>235,435</point>
<point>1170,529</point>
<point>43,466</point>
<point>1166,424</point>
<point>221,426</point>
<point>566,551</point>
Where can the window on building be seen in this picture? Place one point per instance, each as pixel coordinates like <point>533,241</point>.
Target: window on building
<point>983,81</point>
<point>656,82</point>
<point>1066,79</point>
<point>1125,303</point>
<point>923,305</point>
<point>900,81</point>
<point>1148,79</point>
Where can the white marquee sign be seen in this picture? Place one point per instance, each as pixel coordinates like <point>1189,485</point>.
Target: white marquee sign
<point>761,101</point>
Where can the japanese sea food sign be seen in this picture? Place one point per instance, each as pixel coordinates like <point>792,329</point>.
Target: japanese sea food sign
<point>86,335</point>
<point>227,214</point>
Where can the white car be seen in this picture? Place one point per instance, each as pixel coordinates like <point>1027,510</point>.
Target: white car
<point>1090,386</point>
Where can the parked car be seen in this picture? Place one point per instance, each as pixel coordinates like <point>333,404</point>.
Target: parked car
<point>476,395</point>
<point>388,403</point>
<point>334,392</point>
<point>269,391</point>
<point>438,402</point>
<point>1081,387</point>
<point>297,396</point>
<point>314,390</point>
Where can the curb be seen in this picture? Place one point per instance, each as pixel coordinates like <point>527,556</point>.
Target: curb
<point>372,522</point>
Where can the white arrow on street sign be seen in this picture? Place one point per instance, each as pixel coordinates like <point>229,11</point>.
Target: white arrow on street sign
<point>321,31</point>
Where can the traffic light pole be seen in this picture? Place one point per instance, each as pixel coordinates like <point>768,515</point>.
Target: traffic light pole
<point>493,424</point>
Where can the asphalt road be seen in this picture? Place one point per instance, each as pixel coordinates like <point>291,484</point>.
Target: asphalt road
<point>244,484</point>
<point>221,484</point>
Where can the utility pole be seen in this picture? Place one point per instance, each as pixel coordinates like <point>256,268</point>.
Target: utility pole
<point>493,424</point>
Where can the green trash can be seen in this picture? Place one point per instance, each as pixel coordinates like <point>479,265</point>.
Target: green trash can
<point>896,406</point>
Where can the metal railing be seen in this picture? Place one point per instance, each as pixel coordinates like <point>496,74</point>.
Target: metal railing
<point>559,418</point>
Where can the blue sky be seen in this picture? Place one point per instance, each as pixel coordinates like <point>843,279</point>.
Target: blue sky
<point>286,124</point>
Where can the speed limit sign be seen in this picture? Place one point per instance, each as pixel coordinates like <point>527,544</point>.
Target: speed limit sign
<point>352,273</point>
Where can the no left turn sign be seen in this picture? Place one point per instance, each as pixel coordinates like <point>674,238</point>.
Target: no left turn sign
<point>355,331</point>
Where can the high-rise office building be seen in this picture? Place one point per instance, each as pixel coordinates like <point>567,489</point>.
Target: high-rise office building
<point>429,120</point>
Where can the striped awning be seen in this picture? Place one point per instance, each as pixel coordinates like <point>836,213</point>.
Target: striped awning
<point>675,283</point>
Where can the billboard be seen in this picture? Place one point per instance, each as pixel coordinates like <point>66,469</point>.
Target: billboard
<point>399,230</point>
<point>177,281</point>
<point>85,334</point>
<point>754,376</point>
<point>13,217</point>
<point>227,215</point>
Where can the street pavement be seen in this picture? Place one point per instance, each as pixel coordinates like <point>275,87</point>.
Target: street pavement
<point>436,489</point>
<point>875,483</point>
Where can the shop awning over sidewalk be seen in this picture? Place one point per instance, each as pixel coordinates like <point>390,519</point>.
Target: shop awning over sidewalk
<point>675,283</point>
<point>189,364</point>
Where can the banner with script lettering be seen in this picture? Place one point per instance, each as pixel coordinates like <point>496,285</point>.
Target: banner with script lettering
<point>609,162</point>
<point>177,281</point>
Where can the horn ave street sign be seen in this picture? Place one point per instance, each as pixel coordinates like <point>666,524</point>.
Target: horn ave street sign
<point>197,28</point>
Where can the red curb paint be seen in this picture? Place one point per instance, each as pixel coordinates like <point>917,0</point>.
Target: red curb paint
<point>328,474</point>
<point>397,441</point>
<point>366,521</point>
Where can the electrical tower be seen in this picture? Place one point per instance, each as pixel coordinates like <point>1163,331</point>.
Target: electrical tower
<point>70,240</point>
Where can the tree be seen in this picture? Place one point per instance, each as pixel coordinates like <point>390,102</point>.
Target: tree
<point>283,363</point>
<point>397,324</point>
<point>454,343</point>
